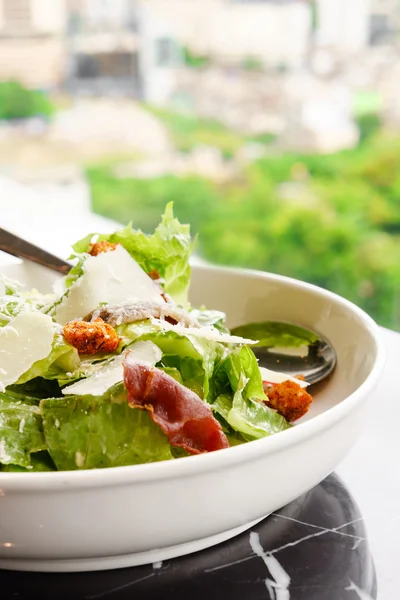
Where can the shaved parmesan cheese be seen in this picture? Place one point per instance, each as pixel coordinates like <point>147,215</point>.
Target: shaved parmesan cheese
<point>112,373</point>
<point>207,333</point>
<point>110,278</point>
<point>26,339</point>
<point>146,352</point>
<point>98,383</point>
<point>2,288</point>
<point>276,377</point>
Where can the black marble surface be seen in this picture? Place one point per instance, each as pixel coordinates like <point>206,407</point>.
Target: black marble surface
<point>313,549</point>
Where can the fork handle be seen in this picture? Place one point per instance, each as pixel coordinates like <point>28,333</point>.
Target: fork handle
<point>16,246</point>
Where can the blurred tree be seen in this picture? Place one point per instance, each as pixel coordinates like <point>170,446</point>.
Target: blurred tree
<point>194,60</point>
<point>19,102</point>
<point>332,220</point>
<point>368,124</point>
<point>252,63</point>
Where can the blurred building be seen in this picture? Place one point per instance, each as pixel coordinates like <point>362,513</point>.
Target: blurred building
<point>275,32</point>
<point>346,29</point>
<point>120,46</point>
<point>342,25</point>
<point>89,46</point>
<point>384,21</point>
<point>32,41</point>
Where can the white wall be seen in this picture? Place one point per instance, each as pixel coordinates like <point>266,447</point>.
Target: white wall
<point>111,12</point>
<point>343,24</point>
<point>49,15</point>
<point>276,33</point>
<point>158,81</point>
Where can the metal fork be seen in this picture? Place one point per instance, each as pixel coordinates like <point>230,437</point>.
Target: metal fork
<point>16,246</point>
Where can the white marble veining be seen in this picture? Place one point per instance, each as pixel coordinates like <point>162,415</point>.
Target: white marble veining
<point>112,590</point>
<point>320,531</point>
<point>354,588</point>
<point>156,566</point>
<point>277,580</point>
<point>278,586</point>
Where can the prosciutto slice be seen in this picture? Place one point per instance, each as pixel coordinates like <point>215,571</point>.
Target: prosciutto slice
<point>182,415</point>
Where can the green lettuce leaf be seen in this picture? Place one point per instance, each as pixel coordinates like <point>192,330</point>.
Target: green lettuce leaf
<point>77,269</point>
<point>36,389</point>
<point>207,318</point>
<point>166,251</point>
<point>40,461</point>
<point>193,357</point>
<point>20,429</point>
<point>9,287</point>
<point>240,369</point>
<point>63,359</point>
<point>10,307</point>
<point>240,395</point>
<point>87,432</point>
<point>274,334</point>
<point>253,419</point>
<point>12,304</point>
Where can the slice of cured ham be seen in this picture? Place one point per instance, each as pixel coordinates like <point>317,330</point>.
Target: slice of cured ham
<point>182,415</point>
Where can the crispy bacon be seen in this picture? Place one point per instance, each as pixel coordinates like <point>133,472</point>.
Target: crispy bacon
<point>182,415</point>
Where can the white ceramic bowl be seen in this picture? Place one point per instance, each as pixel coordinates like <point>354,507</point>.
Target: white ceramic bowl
<point>111,518</point>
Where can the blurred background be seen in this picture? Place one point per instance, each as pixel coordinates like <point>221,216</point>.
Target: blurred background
<point>273,125</point>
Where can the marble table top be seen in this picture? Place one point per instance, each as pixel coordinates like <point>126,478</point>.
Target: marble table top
<point>313,549</point>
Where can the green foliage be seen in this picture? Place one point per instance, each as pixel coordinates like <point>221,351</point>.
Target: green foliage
<point>194,60</point>
<point>314,15</point>
<point>252,63</point>
<point>368,124</point>
<point>142,201</point>
<point>330,220</point>
<point>188,131</point>
<point>19,102</point>
<point>264,138</point>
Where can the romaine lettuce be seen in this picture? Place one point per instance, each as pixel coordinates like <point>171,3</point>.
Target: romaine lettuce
<point>166,251</point>
<point>240,395</point>
<point>87,432</point>
<point>20,429</point>
<point>207,318</point>
<point>272,334</point>
<point>193,357</point>
<point>62,359</point>
<point>12,304</point>
<point>40,461</point>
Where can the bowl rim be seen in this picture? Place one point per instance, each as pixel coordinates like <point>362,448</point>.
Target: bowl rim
<point>214,461</point>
